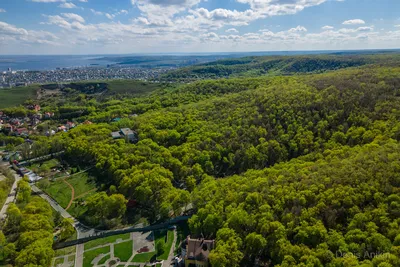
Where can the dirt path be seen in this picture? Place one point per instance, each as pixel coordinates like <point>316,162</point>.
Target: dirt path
<point>72,194</point>
<point>84,194</point>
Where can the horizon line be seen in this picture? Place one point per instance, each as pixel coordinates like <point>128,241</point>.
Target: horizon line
<point>208,53</point>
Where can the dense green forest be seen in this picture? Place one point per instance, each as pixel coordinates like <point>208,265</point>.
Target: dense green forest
<point>282,65</point>
<point>300,170</point>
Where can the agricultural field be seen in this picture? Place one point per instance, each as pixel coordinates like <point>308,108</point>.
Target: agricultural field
<point>16,96</point>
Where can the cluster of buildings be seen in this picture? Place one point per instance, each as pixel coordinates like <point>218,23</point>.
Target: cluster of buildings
<point>21,126</point>
<point>26,125</point>
<point>22,78</point>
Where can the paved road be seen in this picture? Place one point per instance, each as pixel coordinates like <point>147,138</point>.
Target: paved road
<point>12,195</point>
<point>171,255</point>
<point>82,230</point>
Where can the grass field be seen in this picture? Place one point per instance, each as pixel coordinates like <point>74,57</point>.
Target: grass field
<point>89,256</point>
<point>58,261</point>
<point>168,243</point>
<point>65,251</point>
<point>44,166</point>
<point>104,259</point>
<point>144,257</point>
<point>62,193</point>
<point>16,96</point>
<point>106,240</point>
<point>59,191</point>
<point>123,250</point>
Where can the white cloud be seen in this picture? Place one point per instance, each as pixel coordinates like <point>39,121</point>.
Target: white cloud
<point>67,5</point>
<point>74,17</point>
<point>398,26</point>
<point>353,22</point>
<point>2,10</point>
<point>232,30</point>
<point>13,35</point>
<point>96,12</point>
<point>327,27</point>
<point>83,1</point>
<point>280,7</point>
<point>298,29</point>
<point>9,29</point>
<point>110,16</point>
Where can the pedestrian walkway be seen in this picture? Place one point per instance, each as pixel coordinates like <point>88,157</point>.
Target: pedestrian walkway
<point>12,195</point>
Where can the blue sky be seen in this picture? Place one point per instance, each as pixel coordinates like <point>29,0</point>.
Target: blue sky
<point>156,26</point>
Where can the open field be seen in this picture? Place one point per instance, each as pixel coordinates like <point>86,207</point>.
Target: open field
<point>62,192</point>
<point>16,96</point>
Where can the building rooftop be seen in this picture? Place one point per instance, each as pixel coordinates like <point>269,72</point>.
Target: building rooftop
<point>116,135</point>
<point>199,249</point>
<point>126,131</point>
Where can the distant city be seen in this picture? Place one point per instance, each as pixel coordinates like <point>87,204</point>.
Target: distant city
<point>11,78</point>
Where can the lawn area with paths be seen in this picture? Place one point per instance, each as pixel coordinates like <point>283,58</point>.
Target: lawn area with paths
<point>104,259</point>
<point>144,257</point>
<point>123,250</point>
<point>62,192</point>
<point>106,240</point>
<point>90,255</point>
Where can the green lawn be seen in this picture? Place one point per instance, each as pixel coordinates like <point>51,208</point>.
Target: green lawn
<point>77,210</point>
<point>65,251</point>
<point>58,261</point>
<point>123,251</point>
<point>168,243</point>
<point>62,193</point>
<point>59,191</point>
<point>16,96</point>
<point>104,259</point>
<point>89,256</point>
<point>82,183</point>
<point>144,257</point>
<point>71,258</point>
<point>44,167</point>
<point>106,240</point>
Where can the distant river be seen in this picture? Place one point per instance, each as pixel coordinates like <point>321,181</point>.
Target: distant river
<point>50,62</point>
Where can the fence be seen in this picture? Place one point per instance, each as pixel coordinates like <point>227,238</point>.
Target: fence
<point>122,231</point>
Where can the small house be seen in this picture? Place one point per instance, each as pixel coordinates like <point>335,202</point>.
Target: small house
<point>196,251</point>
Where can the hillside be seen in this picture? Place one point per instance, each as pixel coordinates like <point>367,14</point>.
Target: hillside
<point>317,158</point>
<point>277,65</point>
<point>287,170</point>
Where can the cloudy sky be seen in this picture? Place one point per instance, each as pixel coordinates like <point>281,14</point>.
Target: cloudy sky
<point>157,26</point>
